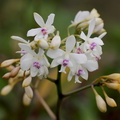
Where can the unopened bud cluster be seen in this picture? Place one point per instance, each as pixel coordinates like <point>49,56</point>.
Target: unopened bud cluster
<point>111,81</point>
<point>79,51</point>
<point>101,104</point>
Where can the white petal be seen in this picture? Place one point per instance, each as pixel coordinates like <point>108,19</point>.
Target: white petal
<point>39,36</point>
<point>46,63</point>
<point>33,32</point>
<point>39,20</point>
<point>70,43</point>
<point>98,41</point>
<point>51,29</point>
<point>40,52</point>
<point>79,58</point>
<point>85,75</point>
<point>77,79</point>
<point>19,39</point>
<point>26,48</point>
<point>54,63</point>
<point>102,35</point>
<point>91,27</point>
<point>63,69</point>
<point>83,36</point>
<point>55,53</point>
<point>50,19</point>
<point>97,51</point>
<point>70,75</point>
<point>91,65</point>
<point>33,71</point>
<point>26,62</point>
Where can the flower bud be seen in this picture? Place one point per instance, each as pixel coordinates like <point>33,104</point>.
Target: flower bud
<point>43,44</point>
<point>27,81</point>
<point>114,86</point>
<point>55,43</point>
<point>6,63</point>
<point>101,103</point>
<point>111,102</point>
<point>26,100</point>
<point>10,68</point>
<point>11,80</point>
<point>98,28</point>
<point>114,76</point>
<point>94,14</point>
<point>15,71</point>
<point>29,92</point>
<point>6,76</point>
<point>6,89</point>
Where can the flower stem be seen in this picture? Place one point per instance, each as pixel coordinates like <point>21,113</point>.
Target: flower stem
<point>76,91</point>
<point>45,105</point>
<point>60,95</point>
<point>80,89</point>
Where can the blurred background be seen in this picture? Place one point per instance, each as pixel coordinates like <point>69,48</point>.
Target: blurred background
<point>16,18</point>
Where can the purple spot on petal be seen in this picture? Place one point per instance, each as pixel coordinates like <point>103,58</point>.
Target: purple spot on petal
<point>80,72</point>
<point>93,45</point>
<point>36,64</point>
<point>79,51</point>
<point>44,31</point>
<point>65,62</point>
<point>23,52</point>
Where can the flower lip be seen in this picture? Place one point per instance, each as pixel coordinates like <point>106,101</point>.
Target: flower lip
<point>23,52</point>
<point>44,31</point>
<point>65,62</point>
<point>80,71</point>
<point>36,65</point>
<point>79,51</point>
<point>93,45</point>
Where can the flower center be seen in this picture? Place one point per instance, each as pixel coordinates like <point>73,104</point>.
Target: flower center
<point>93,45</point>
<point>79,51</point>
<point>80,72</point>
<point>65,62</point>
<point>36,64</point>
<point>44,31</point>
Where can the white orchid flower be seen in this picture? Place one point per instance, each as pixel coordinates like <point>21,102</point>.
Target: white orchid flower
<point>23,41</point>
<point>36,63</point>
<point>81,70</point>
<point>93,44</point>
<point>66,58</point>
<point>45,28</point>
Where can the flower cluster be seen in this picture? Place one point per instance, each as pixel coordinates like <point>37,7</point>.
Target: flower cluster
<point>79,51</point>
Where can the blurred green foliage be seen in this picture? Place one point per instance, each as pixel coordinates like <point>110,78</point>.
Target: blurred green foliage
<point>16,18</point>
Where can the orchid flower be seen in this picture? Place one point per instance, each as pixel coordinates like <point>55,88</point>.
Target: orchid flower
<point>45,28</point>
<point>66,58</point>
<point>36,63</point>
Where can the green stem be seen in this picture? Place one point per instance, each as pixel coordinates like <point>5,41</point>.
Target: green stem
<point>76,91</point>
<point>80,89</point>
<point>60,95</point>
